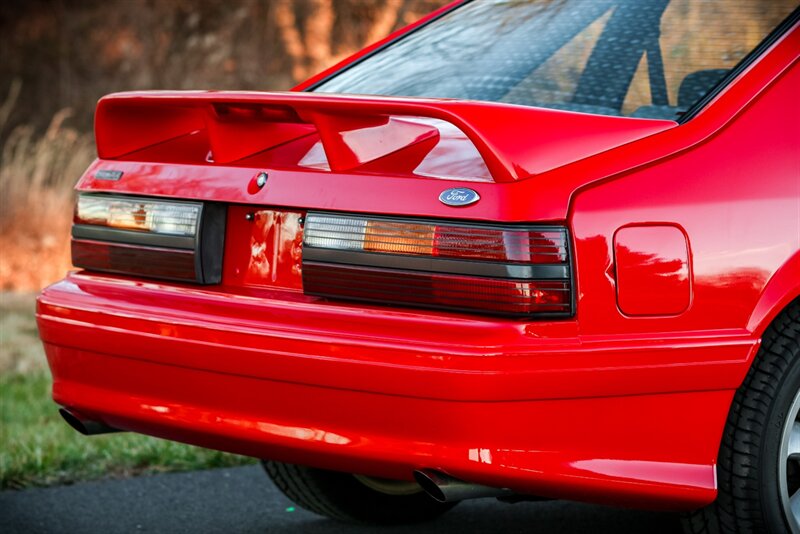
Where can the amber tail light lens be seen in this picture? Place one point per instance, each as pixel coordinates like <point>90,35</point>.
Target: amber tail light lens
<point>509,270</point>
<point>173,240</point>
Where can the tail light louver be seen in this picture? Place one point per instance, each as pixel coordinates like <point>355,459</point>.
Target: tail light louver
<point>480,268</point>
<point>173,240</point>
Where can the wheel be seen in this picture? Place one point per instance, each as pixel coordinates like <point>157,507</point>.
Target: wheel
<point>758,471</point>
<point>354,498</point>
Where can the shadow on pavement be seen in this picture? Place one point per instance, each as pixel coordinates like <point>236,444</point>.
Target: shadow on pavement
<point>244,500</point>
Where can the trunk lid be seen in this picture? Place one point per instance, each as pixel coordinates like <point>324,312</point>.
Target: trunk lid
<point>271,157</point>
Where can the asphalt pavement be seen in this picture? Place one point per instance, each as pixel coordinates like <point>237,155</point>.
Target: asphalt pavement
<point>243,499</point>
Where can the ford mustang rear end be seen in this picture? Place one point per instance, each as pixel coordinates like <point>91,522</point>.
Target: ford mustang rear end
<point>511,260</point>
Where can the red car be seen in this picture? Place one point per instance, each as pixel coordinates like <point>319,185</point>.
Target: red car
<point>552,250</point>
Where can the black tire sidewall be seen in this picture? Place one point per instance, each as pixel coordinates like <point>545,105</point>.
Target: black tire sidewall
<point>770,450</point>
<point>344,497</point>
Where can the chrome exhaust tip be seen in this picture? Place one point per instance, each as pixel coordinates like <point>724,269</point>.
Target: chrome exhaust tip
<point>87,427</point>
<point>445,488</point>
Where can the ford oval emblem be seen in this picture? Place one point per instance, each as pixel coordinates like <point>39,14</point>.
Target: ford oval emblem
<point>459,196</point>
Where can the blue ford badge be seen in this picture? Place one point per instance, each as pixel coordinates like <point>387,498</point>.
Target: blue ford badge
<point>459,196</point>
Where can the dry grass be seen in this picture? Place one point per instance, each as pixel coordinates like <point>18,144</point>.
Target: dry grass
<point>37,175</point>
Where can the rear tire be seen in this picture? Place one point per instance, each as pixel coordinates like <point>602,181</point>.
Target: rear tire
<point>757,472</point>
<point>353,498</point>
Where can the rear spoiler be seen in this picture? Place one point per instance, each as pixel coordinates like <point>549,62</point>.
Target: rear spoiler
<point>513,141</point>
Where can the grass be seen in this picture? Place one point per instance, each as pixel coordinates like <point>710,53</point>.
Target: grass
<point>38,449</point>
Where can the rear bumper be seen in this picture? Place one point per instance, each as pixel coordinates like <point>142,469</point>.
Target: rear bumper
<point>534,407</point>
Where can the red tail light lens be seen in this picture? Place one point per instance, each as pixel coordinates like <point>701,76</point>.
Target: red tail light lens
<point>172,240</point>
<point>437,290</point>
<point>135,260</point>
<point>511,270</point>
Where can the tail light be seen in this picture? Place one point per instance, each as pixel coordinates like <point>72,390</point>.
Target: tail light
<point>149,237</point>
<point>508,270</point>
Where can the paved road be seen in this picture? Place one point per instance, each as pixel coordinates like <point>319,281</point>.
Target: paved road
<point>243,500</point>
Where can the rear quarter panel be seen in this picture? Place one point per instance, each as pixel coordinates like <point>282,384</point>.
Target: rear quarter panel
<point>736,195</point>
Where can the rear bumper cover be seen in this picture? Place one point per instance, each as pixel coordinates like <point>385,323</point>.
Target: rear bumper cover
<point>534,407</point>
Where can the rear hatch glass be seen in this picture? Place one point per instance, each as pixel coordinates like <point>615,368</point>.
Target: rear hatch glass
<point>640,58</point>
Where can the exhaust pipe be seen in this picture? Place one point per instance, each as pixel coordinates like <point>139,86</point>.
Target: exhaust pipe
<point>445,488</point>
<point>85,426</point>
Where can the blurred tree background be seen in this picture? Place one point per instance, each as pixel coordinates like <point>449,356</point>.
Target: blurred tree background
<point>58,57</point>
<point>66,54</point>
